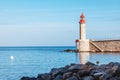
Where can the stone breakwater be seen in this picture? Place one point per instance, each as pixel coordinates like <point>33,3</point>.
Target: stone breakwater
<point>88,71</point>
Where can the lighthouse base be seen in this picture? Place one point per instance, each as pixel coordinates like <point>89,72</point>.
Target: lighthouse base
<point>83,46</point>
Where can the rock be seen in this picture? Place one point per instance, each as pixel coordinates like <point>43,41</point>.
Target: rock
<point>113,64</point>
<point>59,77</point>
<point>90,64</point>
<point>54,72</point>
<point>98,75</point>
<point>45,76</point>
<point>88,71</point>
<point>118,78</point>
<point>66,67</point>
<point>88,68</point>
<point>105,77</point>
<point>75,74</point>
<point>67,75</point>
<point>69,50</point>
<point>115,69</point>
<point>72,64</point>
<point>113,78</point>
<point>93,72</point>
<point>33,78</point>
<point>25,78</point>
<point>88,78</point>
<point>73,78</point>
<point>83,73</point>
<point>75,68</point>
<point>118,70</point>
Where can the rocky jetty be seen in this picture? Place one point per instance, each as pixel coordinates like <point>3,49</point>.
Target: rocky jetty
<point>88,71</point>
<point>70,50</point>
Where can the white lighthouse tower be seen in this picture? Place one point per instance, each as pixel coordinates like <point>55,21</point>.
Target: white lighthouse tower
<point>82,27</point>
<point>82,44</point>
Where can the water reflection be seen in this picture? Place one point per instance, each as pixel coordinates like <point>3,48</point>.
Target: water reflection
<point>83,57</point>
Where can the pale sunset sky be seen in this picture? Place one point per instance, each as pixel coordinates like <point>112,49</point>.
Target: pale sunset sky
<point>55,22</point>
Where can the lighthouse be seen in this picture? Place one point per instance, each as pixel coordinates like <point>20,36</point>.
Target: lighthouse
<point>82,27</point>
<point>82,44</point>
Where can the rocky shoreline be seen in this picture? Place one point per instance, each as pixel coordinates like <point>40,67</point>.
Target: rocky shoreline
<point>88,71</point>
<point>70,50</point>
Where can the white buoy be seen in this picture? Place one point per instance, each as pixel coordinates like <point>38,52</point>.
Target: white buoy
<point>11,57</point>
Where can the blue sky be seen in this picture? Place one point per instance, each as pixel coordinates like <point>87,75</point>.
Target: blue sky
<point>55,22</point>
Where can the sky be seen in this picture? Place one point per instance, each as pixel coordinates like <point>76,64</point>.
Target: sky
<point>55,22</point>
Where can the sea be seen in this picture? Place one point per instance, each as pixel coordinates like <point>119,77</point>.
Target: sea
<point>31,61</point>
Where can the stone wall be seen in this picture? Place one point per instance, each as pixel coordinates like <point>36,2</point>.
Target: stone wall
<point>105,45</point>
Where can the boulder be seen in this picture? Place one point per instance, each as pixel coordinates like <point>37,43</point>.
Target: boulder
<point>25,78</point>
<point>72,78</point>
<point>90,64</point>
<point>88,78</point>
<point>88,71</point>
<point>67,75</point>
<point>45,76</point>
<point>54,72</point>
<point>69,50</point>
<point>33,78</point>
<point>98,75</point>
<point>105,77</point>
<point>75,74</point>
<point>75,68</point>
<point>59,77</point>
<point>92,72</point>
<point>83,73</point>
<point>115,69</point>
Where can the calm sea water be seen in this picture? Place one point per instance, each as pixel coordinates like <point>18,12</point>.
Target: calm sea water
<point>30,61</point>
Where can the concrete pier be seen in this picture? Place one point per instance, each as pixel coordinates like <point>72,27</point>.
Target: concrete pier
<point>105,46</point>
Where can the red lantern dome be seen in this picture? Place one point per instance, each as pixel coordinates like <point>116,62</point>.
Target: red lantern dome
<point>82,16</point>
<point>77,41</point>
<point>82,21</point>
